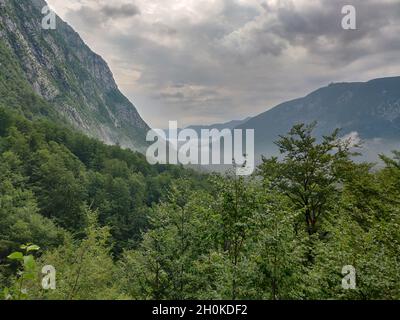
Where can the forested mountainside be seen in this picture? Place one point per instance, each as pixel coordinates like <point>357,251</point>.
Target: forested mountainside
<point>59,172</point>
<point>219,126</point>
<point>114,227</point>
<point>53,72</point>
<point>369,111</point>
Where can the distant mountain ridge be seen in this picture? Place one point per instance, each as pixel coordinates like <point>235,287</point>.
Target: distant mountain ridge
<point>64,74</point>
<point>220,126</point>
<point>370,110</point>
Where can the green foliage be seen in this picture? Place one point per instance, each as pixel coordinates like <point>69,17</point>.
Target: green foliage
<point>57,172</point>
<point>310,172</point>
<point>27,273</point>
<point>85,268</point>
<point>20,220</point>
<point>163,264</point>
<point>16,92</point>
<point>115,227</point>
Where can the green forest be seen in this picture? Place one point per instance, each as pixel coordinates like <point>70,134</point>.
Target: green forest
<point>115,227</point>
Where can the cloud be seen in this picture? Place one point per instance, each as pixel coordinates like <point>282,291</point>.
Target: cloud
<point>94,14</point>
<point>124,10</point>
<point>216,60</point>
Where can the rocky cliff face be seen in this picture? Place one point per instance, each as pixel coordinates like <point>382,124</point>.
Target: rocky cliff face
<point>62,70</point>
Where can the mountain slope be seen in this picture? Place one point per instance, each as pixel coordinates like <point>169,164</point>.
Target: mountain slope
<point>371,110</point>
<point>219,126</point>
<point>65,74</point>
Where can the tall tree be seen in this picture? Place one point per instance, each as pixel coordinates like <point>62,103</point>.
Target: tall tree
<point>310,172</point>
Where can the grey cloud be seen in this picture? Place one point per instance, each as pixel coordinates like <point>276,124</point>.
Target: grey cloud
<point>162,28</point>
<point>169,96</point>
<point>124,10</point>
<point>237,13</point>
<point>89,16</point>
<point>306,28</point>
<point>242,59</point>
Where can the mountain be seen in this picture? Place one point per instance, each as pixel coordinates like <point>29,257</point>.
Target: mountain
<point>53,73</point>
<point>369,111</point>
<point>219,126</point>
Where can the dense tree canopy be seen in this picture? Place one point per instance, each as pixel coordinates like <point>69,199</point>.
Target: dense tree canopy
<point>115,227</point>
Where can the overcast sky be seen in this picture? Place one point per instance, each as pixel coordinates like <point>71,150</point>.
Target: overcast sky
<point>207,61</point>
